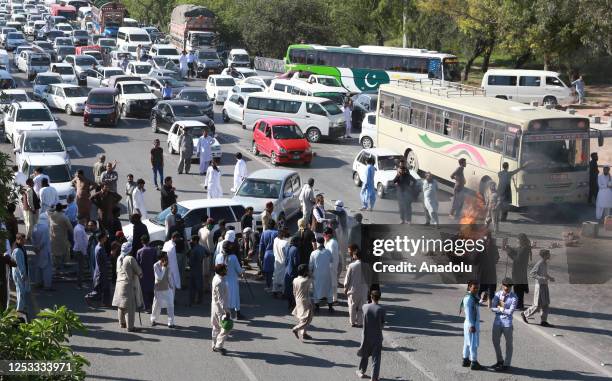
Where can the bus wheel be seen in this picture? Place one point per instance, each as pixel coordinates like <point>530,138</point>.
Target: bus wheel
<point>411,160</point>
<point>313,134</point>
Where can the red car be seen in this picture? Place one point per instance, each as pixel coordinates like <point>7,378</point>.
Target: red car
<point>281,140</point>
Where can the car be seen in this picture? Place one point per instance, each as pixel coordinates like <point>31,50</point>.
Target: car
<point>6,80</point>
<point>165,113</point>
<point>32,63</point>
<point>192,212</point>
<point>282,141</point>
<point>135,98</point>
<point>218,86</point>
<point>363,103</point>
<point>11,96</point>
<point>118,57</point>
<point>243,88</point>
<point>161,62</point>
<point>238,58</point>
<point>14,39</point>
<point>40,142</point>
<point>66,28</point>
<point>279,186</point>
<point>233,108</point>
<point>42,81</point>
<point>386,162</point>
<point>102,107</point>
<point>99,77</point>
<point>63,41</point>
<point>239,73</point>
<point>165,50</point>
<point>81,63</point>
<point>156,84</point>
<point>208,63</point>
<point>367,137</point>
<point>80,37</point>
<point>66,72</point>
<point>53,34</point>
<point>27,116</point>
<point>198,96</point>
<point>4,32</point>
<point>259,80</point>
<point>164,73</point>
<point>138,68</point>
<point>62,52</point>
<point>67,97</point>
<point>45,47</point>
<point>153,32</point>
<point>54,166</point>
<point>107,44</point>
<point>196,129</point>
<point>93,51</point>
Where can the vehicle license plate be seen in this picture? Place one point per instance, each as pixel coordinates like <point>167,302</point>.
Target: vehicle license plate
<point>296,157</point>
<point>97,119</point>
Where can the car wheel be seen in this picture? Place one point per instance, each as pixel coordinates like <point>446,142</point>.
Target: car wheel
<point>273,159</point>
<point>367,142</point>
<point>68,110</point>
<point>380,190</point>
<point>225,116</point>
<point>313,134</point>
<point>124,111</point>
<point>154,125</point>
<point>356,179</point>
<point>254,149</point>
<point>550,101</point>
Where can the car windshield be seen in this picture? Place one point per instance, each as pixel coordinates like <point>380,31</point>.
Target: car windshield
<point>15,36</point>
<point>34,115</point>
<point>47,80</point>
<point>195,96</point>
<point>110,73</point>
<point>160,61</point>
<point>329,82</point>
<point>63,41</point>
<point>225,82</point>
<point>139,37</point>
<point>241,58</point>
<point>186,110</point>
<point>43,144</point>
<point>8,30</point>
<point>387,163</point>
<point>80,33</point>
<point>248,74</point>
<point>17,98</point>
<point>338,98</point>
<point>64,28</point>
<point>208,56</point>
<point>331,107</point>
<point>54,34</point>
<point>160,219</point>
<point>107,42</point>
<point>56,173</point>
<point>168,52</point>
<point>555,156</point>
<point>84,61</point>
<point>196,131</point>
<point>260,188</point>
<point>100,99</point>
<point>67,70</point>
<point>250,89</point>
<point>66,50</point>
<point>287,132</point>
<point>96,55</point>
<point>135,88</point>
<point>142,69</point>
<point>75,92</point>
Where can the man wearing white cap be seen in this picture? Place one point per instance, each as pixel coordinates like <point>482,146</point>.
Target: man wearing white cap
<point>227,255</point>
<point>128,295</point>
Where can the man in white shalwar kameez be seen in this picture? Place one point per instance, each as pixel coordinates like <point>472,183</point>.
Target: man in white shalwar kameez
<point>219,308</point>
<point>163,291</point>
<point>320,266</point>
<point>43,268</point>
<point>213,181</point>
<point>204,151</point>
<point>138,199</point>
<point>240,172</point>
<point>356,286</point>
<point>604,195</point>
<point>170,249</point>
<point>331,244</point>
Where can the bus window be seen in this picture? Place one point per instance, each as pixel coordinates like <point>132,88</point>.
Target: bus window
<point>488,140</point>
<point>323,58</point>
<point>314,108</point>
<point>471,129</point>
<point>511,146</point>
<point>452,125</point>
<point>387,105</point>
<point>418,115</point>
<point>297,56</point>
<point>310,58</point>
<point>404,114</point>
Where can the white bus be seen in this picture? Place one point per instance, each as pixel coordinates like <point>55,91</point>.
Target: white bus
<point>433,124</point>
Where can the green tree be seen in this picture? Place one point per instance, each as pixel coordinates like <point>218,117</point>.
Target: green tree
<point>360,22</point>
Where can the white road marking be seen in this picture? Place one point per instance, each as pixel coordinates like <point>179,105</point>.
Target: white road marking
<point>245,369</point>
<point>420,367</point>
<point>75,150</point>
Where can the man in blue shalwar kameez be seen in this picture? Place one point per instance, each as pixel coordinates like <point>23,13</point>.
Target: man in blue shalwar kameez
<point>368,189</point>
<point>471,327</point>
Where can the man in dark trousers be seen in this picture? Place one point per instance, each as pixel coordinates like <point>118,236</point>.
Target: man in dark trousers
<point>168,195</point>
<point>593,173</point>
<point>146,257</point>
<point>372,339</point>
<point>196,255</point>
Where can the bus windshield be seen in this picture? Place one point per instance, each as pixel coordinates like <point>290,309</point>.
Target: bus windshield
<point>452,72</point>
<point>555,156</point>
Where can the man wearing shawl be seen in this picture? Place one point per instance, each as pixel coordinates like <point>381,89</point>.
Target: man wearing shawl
<point>128,296</point>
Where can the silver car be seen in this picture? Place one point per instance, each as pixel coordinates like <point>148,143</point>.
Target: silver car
<point>280,186</point>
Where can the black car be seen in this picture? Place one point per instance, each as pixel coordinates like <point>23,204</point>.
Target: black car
<point>165,113</point>
<point>363,103</point>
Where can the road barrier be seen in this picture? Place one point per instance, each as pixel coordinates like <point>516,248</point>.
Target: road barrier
<point>269,64</point>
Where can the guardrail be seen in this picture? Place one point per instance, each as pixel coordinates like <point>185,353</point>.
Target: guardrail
<point>269,64</point>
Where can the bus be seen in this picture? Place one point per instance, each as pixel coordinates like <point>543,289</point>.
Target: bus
<point>67,11</point>
<point>434,123</point>
<point>367,67</point>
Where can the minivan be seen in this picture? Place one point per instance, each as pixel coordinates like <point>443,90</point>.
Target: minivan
<point>127,35</point>
<point>238,58</point>
<point>101,107</point>
<point>526,86</point>
<point>298,87</point>
<point>317,117</point>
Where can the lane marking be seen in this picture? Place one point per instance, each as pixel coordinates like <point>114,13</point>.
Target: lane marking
<point>245,369</point>
<point>420,367</point>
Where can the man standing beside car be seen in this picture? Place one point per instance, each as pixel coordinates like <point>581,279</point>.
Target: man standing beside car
<point>186,151</point>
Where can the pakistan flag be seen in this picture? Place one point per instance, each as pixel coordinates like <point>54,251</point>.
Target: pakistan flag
<point>369,79</point>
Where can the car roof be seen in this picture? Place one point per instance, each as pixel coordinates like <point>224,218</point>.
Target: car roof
<point>31,105</point>
<point>177,102</point>
<point>278,121</point>
<point>190,123</point>
<point>381,152</point>
<point>45,159</point>
<point>164,46</point>
<point>248,86</point>
<point>131,82</point>
<point>238,51</point>
<point>50,73</point>
<point>245,70</point>
<point>207,203</point>
<point>14,91</point>
<point>41,133</point>
<point>103,90</point>
<point>193,90</point>
<point>271,174</point>
<point>220,76</point>
<point>520,72</point>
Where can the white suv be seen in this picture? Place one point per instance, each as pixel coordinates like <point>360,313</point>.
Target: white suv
<point>218,86</point>
<point>27,116</point>
<point>135,98</point>
<point>165,50</point>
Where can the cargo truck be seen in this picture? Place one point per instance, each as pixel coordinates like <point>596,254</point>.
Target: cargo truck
<point>107,18</point>
<point>192,27</point>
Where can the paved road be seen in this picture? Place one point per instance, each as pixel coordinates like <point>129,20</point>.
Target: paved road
<point>424,336</point>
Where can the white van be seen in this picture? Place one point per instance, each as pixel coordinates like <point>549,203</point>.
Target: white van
<point>527,86</point>
<point>298,87</point>
<point>238,58</point>
<point>126,35</point>
<point>317,117</point>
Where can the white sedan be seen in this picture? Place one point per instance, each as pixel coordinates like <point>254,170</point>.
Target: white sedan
<point>195,129</point>
<point>67,97</point>
<point>385,162</point>
<point>233,108</point>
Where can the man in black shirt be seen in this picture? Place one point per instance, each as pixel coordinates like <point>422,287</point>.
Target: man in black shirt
<point>168,195</point>
<point>247,219</point>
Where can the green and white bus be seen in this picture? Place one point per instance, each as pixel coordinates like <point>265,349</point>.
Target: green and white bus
<point>367,67</point>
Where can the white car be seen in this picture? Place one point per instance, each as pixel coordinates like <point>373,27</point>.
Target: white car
<point>243,88</point>
<point>218,86</point>
<point>259,80</point>
<point>11,96</point>
<point>238,58</point>
<point>32,63</point>
<point>196,129</point>
<point>239,73</point>
<point>66,28</point>
<point>67,97</point>
<point>81,64</point>
<point>192,211</point>
<point>27,116</point>
<point>100,76</point>
<point>40,142</point>
<point>42,81</point>
<point>135,98</point>
<point>53,165</point>
<point>165,50</point>
<point>233,108</point>
<point>367,137</point>
<point>138,68</point>
<point>385,162</point>
<point>66,72</point>
<point>62,41</point>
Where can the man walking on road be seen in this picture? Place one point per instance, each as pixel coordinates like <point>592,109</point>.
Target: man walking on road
<point>303,306</point>
<point>520,261</point>
<point>219,308</point>
<point>541,296</point>
<point>503,306</point>
<point>240,172</point>
<point>128,296</point>
<point>185,151</point>
<point>164,291</point>
<point>167,194</point>
<point>21,274</point>
<point>430,199</point>
<point>146,258</point>
<point>356,286</point>
<point>320,267</point>
<point>157,162</point>
<point>471,327</point>
<point>593,174</point>
<point>372,337</point>
<point>458,191</point>
<point>203,149</point>
<point>130,185</point>
<point>368,189</point>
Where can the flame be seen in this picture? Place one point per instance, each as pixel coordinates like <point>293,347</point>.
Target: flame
<point>473,217</point>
